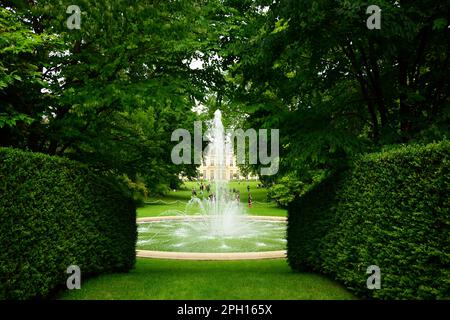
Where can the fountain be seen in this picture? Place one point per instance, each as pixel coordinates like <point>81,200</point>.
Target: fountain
<point>218,223</point>
<point>224,214</point>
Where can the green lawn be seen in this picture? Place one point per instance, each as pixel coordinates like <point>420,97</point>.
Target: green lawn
<point>176,200</point>
<point>170,279</point>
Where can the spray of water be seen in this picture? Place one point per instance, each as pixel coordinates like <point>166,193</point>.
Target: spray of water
<point>221,223</point>
<point>225,215</point>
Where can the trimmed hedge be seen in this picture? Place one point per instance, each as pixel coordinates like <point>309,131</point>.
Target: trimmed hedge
<point>54,213</point>
<point>390,209</point>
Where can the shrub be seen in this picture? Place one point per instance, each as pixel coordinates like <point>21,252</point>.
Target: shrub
<point>309,219</point>
<point>391,209</point>
<point>291,186</point>
<point>285,190</point>
<point>54,213</point>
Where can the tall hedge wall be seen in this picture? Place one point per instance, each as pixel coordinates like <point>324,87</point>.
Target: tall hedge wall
<point>55,213</point>
<point>390,209</point>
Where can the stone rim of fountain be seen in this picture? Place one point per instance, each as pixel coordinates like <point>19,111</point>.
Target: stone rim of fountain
<point>209,255</point>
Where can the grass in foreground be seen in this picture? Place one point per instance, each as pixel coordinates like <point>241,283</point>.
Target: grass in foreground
<point>209,280</point>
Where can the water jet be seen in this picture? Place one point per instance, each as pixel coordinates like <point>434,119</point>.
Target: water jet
<point>217,224</point>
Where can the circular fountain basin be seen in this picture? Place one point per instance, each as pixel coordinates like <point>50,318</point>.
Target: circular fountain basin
<point>184,237</point>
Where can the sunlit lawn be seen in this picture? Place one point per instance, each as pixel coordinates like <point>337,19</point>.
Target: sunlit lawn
<point>177,200</point>
<point>209,280</point>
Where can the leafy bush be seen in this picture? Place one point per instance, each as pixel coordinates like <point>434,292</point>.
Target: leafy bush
<point>291,186</point>
<point>285,190</point>
<point>391,209</point>
<point>55,213</point>
<point>137,189</point>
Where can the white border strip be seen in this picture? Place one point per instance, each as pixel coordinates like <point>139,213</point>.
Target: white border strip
<point>211,256</point>
<point>197,217</point>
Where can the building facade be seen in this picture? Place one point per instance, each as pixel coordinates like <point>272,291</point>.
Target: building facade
<point>209,170</point>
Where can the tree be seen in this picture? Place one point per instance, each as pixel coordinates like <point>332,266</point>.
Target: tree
<point>336,88</point>
<point>110,93</point>
<point>19,75</point>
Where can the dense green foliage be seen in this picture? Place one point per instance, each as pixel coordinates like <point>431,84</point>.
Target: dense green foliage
<point>55,213</point>
<point>333,87</point>
<point>391,209</point>
<point>109,94</point>
<point>289,187</point>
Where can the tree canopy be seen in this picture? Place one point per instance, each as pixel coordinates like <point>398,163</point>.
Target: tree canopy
<point>111,93</point>
<point>336,88</point>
